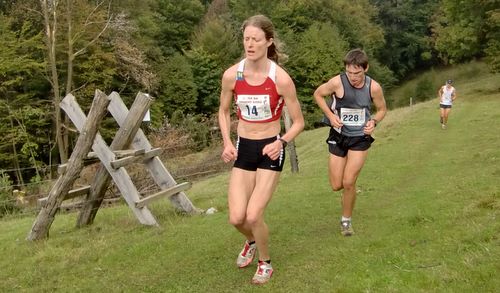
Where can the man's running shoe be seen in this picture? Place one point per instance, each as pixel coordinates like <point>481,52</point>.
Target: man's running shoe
<point>443,126</point>
<point>346,228</point>
<point>246,255</point>
<point>263,274</point>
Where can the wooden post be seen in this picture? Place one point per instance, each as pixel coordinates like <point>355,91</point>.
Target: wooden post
<point>294,161</point>
<point>102,178</point>
<point>45,218</point>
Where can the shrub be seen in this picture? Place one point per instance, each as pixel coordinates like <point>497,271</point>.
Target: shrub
<point>7,202</point>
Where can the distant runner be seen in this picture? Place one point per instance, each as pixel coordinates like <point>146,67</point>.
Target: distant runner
<point>446,96</point>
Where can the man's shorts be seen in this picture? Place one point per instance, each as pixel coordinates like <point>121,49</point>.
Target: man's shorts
<point>444,106</point>
<point>339,144</point>
<point>250,155</point>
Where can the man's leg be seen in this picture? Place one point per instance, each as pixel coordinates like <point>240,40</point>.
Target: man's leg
<point>355,161</point>
<point>336,167</point>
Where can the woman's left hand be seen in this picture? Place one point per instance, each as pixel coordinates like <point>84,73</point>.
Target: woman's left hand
<point>273,150</point>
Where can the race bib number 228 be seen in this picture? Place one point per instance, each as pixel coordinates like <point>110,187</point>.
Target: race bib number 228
<point>352,117</point>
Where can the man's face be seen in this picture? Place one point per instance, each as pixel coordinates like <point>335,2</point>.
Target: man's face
<point>355,74</point>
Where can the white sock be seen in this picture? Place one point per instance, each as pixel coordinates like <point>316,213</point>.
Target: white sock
<point>345,219</point>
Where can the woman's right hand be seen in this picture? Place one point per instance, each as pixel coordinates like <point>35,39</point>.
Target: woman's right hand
<point>229,154</point>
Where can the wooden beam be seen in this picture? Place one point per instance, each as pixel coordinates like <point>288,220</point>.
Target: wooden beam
<point>123,138</point>
<point>164,193</point>
<point>87,161</point>
<point>71,194</point>
<point>88,132</point>
<point>115,164</point>
<point>127,153</point>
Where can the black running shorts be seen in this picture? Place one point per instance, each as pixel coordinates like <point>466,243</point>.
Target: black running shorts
<point>339,144</point>
<point>250,155</point>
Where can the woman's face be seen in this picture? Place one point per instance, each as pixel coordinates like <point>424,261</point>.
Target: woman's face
<point>255,43</point>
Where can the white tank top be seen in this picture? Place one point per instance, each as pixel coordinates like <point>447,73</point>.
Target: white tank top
<point>446,95</point>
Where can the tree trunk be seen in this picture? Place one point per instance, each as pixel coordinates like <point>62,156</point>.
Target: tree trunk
<point>50,40</point>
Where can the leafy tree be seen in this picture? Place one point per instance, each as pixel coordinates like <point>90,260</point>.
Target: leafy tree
<point>178,92</point>
<point>405,25</point>
<point>355,19</point>
<point>177,21</point>
<point>206,76</point>
<point>466,29</point>
<point>492,49</point>
<point>215,46</point>
<point>24,118</point>
<point>315,60</point>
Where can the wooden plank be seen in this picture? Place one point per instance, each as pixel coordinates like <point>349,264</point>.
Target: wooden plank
<point>62,168</point>
<point>115,164</point>
<point>88,132</point>
<point>155,166</point>
<point>105,173</point>
<point>71,194</point>
<point>126,153</point>
<point>164,193</point>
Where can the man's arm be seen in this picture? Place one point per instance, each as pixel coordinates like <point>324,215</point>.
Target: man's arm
<point>326,90</point>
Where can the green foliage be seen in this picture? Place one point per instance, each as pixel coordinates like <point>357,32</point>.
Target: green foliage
<point>356,22</point>
<point>218,39</point>
<point>214,47</point>
<point>466,29</point>
<point>178,91</point>
<point>177,21</point>
<point>206,74</point>
<point>195,126</point>
<point>425,90</point>
<point>406,33</point>
<point>7,204</point>
<point>492,49</point>
<point>315,61</point>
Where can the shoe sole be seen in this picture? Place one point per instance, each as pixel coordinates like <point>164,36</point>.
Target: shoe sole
<point>262,283</point>
<point>246,264</point>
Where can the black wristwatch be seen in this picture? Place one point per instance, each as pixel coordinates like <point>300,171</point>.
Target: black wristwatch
<point>283,142</point>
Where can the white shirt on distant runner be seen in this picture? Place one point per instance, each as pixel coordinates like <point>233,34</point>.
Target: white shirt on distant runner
<point>447,95</point>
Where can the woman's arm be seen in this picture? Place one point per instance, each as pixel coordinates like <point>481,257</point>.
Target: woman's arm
<point>228,80</point>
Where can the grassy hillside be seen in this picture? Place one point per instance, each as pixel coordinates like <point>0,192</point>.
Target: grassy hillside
<point>426,220</point>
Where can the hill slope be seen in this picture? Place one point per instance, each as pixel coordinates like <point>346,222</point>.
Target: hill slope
<point>426,221</point>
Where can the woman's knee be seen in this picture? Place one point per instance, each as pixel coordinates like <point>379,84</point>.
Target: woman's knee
<point>254,219</point>
<point>336,186</point>
<point>349,184</point>
<point>237,220</point>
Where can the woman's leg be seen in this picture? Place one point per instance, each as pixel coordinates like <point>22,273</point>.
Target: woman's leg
<point>265,184</point>
<point>241,186</point>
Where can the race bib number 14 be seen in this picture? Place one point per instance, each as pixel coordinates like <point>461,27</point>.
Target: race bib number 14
<point>254,107</point>
<point>352,117</point>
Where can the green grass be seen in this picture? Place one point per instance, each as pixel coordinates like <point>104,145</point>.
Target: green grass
<point>426,220</point>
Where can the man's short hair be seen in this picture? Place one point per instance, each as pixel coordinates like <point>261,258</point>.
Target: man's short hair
<point>356,57</point>
<point>449,81</point>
